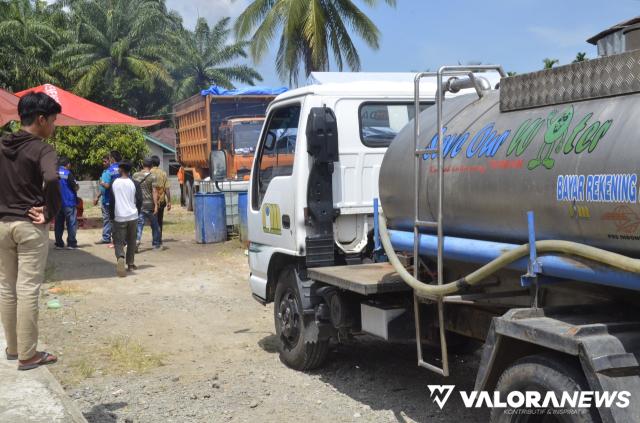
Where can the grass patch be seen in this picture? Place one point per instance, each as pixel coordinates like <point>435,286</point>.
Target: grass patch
<point>179,221</point>
<point>84,369</point>
<point>128,355</point>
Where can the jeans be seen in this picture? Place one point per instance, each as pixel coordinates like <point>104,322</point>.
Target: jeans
<point>155,228</point>
<point>23,257</point>
<point>68,216</point>
<point>125,233</point>
<point>106,223</point>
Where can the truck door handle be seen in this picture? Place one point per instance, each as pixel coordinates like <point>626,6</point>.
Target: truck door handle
<point>286,221</point>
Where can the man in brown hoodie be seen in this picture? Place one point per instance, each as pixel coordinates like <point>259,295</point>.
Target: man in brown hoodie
<point>29,199</point>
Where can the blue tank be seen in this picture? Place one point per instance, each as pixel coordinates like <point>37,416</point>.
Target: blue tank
<point>244,223</point>
<point>211,219</point>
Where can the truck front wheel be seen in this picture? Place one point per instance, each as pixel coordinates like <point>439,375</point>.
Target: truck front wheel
<point>543,373</point>
<point>297,346</point>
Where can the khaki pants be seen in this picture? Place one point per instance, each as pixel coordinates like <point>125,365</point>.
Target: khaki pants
<point>23,258</point>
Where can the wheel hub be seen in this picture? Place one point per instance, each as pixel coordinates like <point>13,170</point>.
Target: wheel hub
<point>290,319</point>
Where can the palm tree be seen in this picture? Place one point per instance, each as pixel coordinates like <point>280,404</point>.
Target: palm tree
<point>309,31</point>
<point>27,42</point>
<point>580,57</point>
<point>204,59</point>
<point>548,63</point>
<point>118,50</point>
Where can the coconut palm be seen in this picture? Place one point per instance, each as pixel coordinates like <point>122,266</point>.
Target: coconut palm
<point>27,42</point>
<point>119,50</point>
<point>309,31</point>
<point>580,57</point>
<point>549,63</point>
<point>207,57</point>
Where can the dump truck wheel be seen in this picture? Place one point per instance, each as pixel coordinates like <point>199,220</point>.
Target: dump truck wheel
<point>295,350</point>
<point>543,373</point>
<point>188,195</point>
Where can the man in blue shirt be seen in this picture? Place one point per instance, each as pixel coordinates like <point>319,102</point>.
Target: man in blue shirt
<point>108,176</point>
<point>68,212</point>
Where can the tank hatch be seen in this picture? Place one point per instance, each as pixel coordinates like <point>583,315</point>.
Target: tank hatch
<point>606,76</point>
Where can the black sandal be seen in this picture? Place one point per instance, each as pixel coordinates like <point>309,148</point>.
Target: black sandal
<point>45,358</point>
<point>10,357</point>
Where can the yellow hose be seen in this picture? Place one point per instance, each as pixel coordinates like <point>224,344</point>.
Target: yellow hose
<point>551,246</point>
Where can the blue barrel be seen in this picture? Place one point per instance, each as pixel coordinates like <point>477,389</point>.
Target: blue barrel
<point>244,219</point>
<point>211,218</point>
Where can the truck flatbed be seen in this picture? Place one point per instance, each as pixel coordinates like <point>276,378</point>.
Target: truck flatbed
<point>365,279</point>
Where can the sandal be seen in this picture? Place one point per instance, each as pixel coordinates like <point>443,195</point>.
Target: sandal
<point>45,358</point>
<point>10,357</point>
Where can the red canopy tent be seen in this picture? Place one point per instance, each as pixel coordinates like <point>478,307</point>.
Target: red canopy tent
<point>77,111</point>
<point>8,107</point>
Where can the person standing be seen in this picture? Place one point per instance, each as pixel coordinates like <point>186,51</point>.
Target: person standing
<point>148,186</point>
<point>102,190</point>
<point>125,202</point>
<point>68,213</point>
<point>108,176</point>
<point>180,176</point>
<point>164,191</point>
<point>29,199</point>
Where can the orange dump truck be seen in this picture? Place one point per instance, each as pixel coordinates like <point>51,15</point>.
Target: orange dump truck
<point>231,123</point>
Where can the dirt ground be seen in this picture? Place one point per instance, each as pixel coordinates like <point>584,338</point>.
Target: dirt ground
<point>182,340</point>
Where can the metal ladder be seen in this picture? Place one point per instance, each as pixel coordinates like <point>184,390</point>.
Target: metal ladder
<point>453,71</point>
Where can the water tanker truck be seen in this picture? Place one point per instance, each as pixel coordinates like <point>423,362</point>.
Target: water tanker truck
<point>506,214</point>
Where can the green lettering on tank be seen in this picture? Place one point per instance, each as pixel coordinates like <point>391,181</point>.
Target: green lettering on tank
<point>558,137</point>
<point>523,136</point>
<point>585,139</point>
<point>568,146</point>
<point>557,128</point>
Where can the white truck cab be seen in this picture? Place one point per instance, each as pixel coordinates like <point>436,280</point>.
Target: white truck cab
<point>311,193</point>
<point>369,110</point>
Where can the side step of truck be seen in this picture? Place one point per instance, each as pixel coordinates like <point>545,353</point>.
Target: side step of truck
<point>364,279</point>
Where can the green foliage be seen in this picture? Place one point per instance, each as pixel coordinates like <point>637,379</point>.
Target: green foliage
<point>580,57</point>
<point>204,59</point>
<point>28,38</point>
<point>117,50</point>
<point>85,146</point>
<point>134,56</point>
<point>309,31</point>
<point>549,63</point>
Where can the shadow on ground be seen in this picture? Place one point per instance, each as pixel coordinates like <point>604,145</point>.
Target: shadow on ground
<point>65,265</point>
<point>385,376</point>
<point>104,413</point>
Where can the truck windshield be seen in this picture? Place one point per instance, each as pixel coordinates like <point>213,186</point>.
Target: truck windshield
<point>245,137</point>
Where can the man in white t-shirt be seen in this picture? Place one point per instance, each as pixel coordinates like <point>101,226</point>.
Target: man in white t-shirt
<point>125,203</point>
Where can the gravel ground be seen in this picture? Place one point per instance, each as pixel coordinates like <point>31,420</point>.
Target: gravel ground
<point>182,340</point>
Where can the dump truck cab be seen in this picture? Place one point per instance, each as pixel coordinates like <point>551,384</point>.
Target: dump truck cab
<point>238,138</point>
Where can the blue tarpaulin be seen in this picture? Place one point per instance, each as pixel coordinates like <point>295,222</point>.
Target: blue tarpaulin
<point>257,90</point>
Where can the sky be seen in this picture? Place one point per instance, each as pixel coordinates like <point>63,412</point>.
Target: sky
<point>420,35</point>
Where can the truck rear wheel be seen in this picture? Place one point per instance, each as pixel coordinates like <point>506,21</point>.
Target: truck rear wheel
<point>543,373</point>
<point>188,195</point>
<point>295,351</point>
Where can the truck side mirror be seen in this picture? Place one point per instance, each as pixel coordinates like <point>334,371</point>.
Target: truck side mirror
<point>218,165</point>
<point>322,135</point>
<point>270,141</point>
